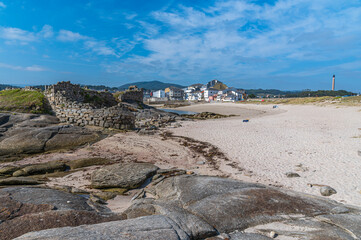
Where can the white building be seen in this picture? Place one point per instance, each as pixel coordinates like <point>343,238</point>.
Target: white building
<point>159,94</point>
<point>210,92</point>
<point>194,96</point>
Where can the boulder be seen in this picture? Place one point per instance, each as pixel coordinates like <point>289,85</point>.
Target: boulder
<point>87,162</point>
<point>48,167</point>
<point>25,209</point>
<point>225,204</point>
<point>19,181</point>
<point>123,175</point>
<point>8,170</point>
<point>327,191</point>
<point>292,175</point>
<point>150,227</point>
<point>70,137</point>
<point>34,133</point>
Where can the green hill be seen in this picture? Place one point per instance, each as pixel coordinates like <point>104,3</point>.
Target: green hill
<point>220,86</point>
<point>18,100</point>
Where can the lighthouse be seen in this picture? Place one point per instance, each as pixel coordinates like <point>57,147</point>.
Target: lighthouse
<point>333,83</point>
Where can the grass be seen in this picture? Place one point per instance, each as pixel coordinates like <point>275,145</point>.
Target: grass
<point>18,100</point>
<point>346,101</point>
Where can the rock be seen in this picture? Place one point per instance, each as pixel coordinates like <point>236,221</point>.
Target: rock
<point>86,162</point>
<point>200,162</point>
<point>150,227</point>
<point>19,181</point>
<point>247,236</point>
<point>47,196</point>
<point>359,152</point>
<point>118,191</point>
<point>327,191</point>
<point>106,195</point>
<point>226,204</point>
<point>349,222</point>
<point>273,234</point>
<point>48,167</point>
<point>292,175</point>
<point>123,175</point>
<point>70,137</point>
<point>8,170</point>
<point>193,225</point>
<point>146,132</point>
<point>25,209</point>
<point>33,133</point>
<point>51,220</point>
<point>96,199</point>
<point>171,172</point>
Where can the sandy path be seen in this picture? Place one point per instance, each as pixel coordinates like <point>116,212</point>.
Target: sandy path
<point>324,140</point>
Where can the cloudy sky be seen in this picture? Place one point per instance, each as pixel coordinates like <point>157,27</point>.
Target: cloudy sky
<point>284,44</point>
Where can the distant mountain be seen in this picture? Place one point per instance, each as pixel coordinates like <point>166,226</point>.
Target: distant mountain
<point>152,85</point>
<point>268,91</point>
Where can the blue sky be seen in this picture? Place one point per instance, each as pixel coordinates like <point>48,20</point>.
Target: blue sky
<point>284,44</point>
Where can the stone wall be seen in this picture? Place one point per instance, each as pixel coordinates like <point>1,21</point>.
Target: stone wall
<point>75,105</point>
<point>132,94</point>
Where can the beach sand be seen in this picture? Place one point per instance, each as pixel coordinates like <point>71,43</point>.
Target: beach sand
<point>320,143</point>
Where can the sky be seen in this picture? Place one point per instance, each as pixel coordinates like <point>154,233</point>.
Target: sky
<point>282,44</point>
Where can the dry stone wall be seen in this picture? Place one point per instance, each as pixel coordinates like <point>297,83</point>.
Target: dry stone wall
<point>132,94</point>
<point>75,105</point>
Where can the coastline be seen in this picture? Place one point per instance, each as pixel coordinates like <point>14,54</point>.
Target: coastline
<point>318,143</point>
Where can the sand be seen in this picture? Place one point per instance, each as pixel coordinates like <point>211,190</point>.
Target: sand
<point>319,143</point>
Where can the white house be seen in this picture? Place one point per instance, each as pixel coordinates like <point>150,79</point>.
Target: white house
<point>210,92</point>
<point>159,94</point>
<point>194,96</point>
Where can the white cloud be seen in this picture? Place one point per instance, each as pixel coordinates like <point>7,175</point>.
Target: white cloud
<point>46,31</point>
<point>17,34</point>
<point>99,47</point>
<point>20,36</point>
<point>2,5</point>
<point>33,68</point>
<point>69,36</point>
<point>240,38</point>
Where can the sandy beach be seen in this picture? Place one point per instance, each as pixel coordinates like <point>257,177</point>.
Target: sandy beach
<point>320,143</point>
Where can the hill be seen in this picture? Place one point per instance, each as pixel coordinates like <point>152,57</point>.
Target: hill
<point>18,100</point>
<point>152,85</point>
<point>220,86</point>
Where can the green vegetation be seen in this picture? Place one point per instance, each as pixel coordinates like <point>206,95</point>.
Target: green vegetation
<point>320,93</point>
<point>117,94</point>
<point>346,101</point>
<point>18,100</point>
<point>220,86</point>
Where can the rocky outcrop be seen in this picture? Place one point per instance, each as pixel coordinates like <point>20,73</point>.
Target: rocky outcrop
<point>33,209</point>
<point>205,207</point>
<point>201,203</point>
<point>33,133</point>
<point>123,175</point>
<point>206,115</point>
<point>151,227</point>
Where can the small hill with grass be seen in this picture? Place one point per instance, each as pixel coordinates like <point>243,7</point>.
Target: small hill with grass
<point>19,100</point>
<point>220,86</point>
